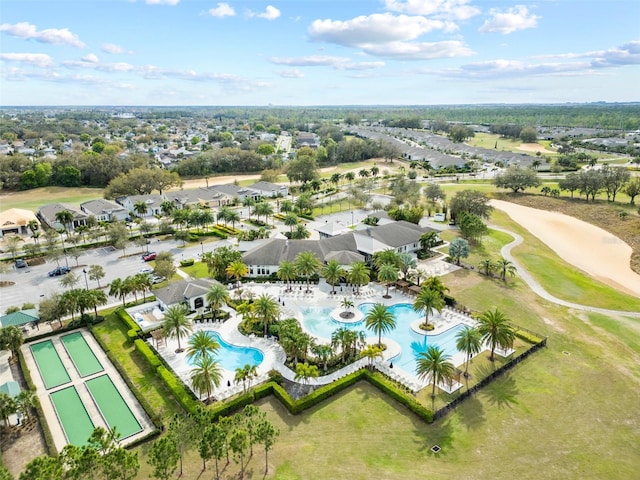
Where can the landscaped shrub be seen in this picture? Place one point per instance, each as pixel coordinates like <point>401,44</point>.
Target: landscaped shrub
<point>132,334</point>
<point>182,395</point>
<point>389,388</point>
<point>129,322</point>
<point>147,353</point>
<point>326,391</point>
<point>527,337</point>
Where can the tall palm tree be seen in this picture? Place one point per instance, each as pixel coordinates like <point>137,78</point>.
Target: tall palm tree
<point>333,273</point>
<point>176,324</point>
<point>245,374</point>
<point>434,363</point>
<point>427,301</point>
<point>236,270</point>
<point>469,341</point>
<point>305,372</point>
<point>380,320</point>
<point>206,375</point>
<point>216,297</point>
<point>487,266</point>
<point>266,308</point>
<point>407,261</point>
<point>495,330</point>
<point>201,344</point>
<point>358,275</point>
<point>167,207</point>
<point>389,256</point>
<point>97,298</point>
<point>248,202</point>
<point>234,217</point>
<point>345,339</point>
<point>65,217</point>
<point>371,352</point>
<point>388,274</point>
<point>140,208</point>
<point>428,240</point>
<point>307,265</point>
<point>300,232</point>
<point>505,267</point>
<point>287,273</point>
<point>434,283</point>
<point>290,220</point>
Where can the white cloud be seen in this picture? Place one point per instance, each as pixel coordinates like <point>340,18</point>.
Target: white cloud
<point>338,63</point>
<point>91,58</point>
<point>270,13</point>
<point>222,10</point>
<point>419,50</point>
<point>54,36</point>
<point>295,73</point>
<point>162,2</point>
<point>41,60</point>
<point>450,9</point>
<point>113,49</point>
<point>509,21</point>
<point>626,54</point>
<point>372,29</point>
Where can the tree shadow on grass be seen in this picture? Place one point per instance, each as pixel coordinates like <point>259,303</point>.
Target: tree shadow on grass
<point>502,391</point>
<point>471,413</point>
<point>438,433</point>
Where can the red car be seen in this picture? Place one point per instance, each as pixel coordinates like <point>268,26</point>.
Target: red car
<point>147,257</point>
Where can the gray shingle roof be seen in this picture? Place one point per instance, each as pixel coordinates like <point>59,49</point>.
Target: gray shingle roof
<point>182,290</point>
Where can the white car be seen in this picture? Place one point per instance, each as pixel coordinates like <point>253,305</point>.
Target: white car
<point>146,270</point>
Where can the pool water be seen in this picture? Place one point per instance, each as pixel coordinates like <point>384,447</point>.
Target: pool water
<point>233,356</point>
<point>81,354</point>
<point>318,322</point>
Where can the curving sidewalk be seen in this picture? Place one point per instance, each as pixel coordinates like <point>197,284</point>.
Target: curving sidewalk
<point>533,284</point>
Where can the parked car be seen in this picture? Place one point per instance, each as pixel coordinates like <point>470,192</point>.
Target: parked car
<point>20,263</point>
<point>59,271</point>
<point>157,279</point>
<point>147,257</point>
<point>146,270</point>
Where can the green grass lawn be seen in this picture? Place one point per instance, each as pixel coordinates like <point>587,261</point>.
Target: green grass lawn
<point>34,199</point>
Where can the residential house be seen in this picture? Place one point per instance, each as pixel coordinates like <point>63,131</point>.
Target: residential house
<point>307,139</point>
<point>15,221</point>
<point>152,200</point>
<point>191,293</point>
<point>270,190</point>
<point>198,197</point>
<point>47,215</point>
<point>236,192</point>
<point>104,210</point>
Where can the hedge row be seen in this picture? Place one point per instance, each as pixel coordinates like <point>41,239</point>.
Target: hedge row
<point>227,229</point>
<point>129,322</point>
<point>380,381</point>
<point>528,337</point>
<point>147,353</point>
<point>178,390</point>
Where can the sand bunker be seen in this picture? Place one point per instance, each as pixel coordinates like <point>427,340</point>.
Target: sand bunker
<point>591,249</point>
<point>533,147</point>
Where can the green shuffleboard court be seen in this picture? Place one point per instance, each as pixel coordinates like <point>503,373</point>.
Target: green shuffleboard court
<point>51,369</point>
<point>115,411</point>
<point>81,354</point>
<point>75,420</point>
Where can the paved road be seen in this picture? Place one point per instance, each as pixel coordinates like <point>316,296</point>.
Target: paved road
<point>541,292</point>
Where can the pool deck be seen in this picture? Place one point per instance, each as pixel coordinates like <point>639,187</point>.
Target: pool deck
<point>294,302</point>
<point>53,422</point>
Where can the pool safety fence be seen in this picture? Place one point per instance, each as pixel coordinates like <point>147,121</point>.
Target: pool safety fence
<point>485,381</point>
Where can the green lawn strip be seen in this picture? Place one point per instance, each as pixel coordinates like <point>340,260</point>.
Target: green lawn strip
<point>114,335</point>
<point>197,270</point>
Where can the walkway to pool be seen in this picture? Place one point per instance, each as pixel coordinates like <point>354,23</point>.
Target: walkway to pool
<point>294,301</point>
<point>81,385</point>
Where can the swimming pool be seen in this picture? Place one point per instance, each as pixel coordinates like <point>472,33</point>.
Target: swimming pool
<point>114,410</point>
<point>81,355</point>
<point>73,416</point>
<point>49,364</point>
<point>233,356</point>
<point>318,322</point>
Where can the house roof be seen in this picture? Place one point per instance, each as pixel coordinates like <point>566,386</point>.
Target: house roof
<point>344,257</point>
<point>19,318</point>
<point>48,212</point>
<point>267,186</point>
<point>100,206</point>
<point>332,229</point>
<point>16,216</point>
<point>182,290</point>
<point>11,388</point>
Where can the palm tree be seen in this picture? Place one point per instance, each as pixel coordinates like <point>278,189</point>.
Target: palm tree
<point>167,207</point>
<point>428,240</point>
<point>176,324</point>
<point>495,330</point>
<point>307,265</point>
<point>305,372</point>
<point>389,256</point>
<point>469,341</point>
<point>248,202</point>
<point>26,401</point>
<point>434,363</point>
<point>290,220</point>
<point>371,352</point>
<point>323,352</point>
<point>487,266</point>
<point>267,309</point>
<point>407,261</point>
<point>287,273</point>
<point>380,320</point>
<point>435,284</point>
<point>333,273</point>
<point>505,267</point>
<point>233,216</point>
<point>96,298</point>
<point>216,297</point>
<point>427,301</point>
<point>300,233</point>
<point>65,217</point>
<point>387,273</point>
<point>201,344</point>
<point>140,208</point>
<point>236,270</point>
<point>358,275</point>
<point>117,288</point>
<point>245,374</point>
<point>263,208</point>
<point>286,206</point>
<point>345,339</point>
<point>206,375</point>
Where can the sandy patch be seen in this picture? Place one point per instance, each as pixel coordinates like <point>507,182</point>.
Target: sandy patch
<point>533,147</point>
<point>589,248</point>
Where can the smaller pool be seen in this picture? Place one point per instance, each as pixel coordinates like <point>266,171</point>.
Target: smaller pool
<point>233,356</point>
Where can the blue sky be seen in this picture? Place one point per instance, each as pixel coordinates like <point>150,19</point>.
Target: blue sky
<point>309,52</point>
